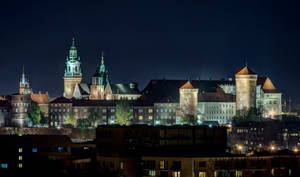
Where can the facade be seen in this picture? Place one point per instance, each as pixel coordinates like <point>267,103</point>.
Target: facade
<point>142,112</point>
<point>281,134</point>
<point>203,98</point>
<point>100,88</point>
<point>217,100</point>
<point>188,99</point>
<point>219,166</point>
<point>20,104</point>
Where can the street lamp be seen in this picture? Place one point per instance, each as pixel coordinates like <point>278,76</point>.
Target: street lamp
<point>272,148</point>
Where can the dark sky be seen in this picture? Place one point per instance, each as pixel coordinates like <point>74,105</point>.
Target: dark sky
<point>150,39</point>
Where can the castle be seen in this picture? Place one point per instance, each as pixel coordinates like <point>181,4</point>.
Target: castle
<point>100,88</point>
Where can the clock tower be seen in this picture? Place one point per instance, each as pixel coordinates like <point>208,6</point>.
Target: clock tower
<point>73,75</point>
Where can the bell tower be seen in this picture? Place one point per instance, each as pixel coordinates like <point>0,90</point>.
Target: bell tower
<point>73,73</point>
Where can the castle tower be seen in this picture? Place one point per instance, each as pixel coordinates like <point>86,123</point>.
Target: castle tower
<point>73,74</point>
<point>100,82</point>
<point>245,82</point>
<point>20,103</point>
<point>24,87</point>
<point>188,99</point>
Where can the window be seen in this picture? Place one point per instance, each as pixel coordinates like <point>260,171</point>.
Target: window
<point>140,117</point>
<point>176,174</point>
<point>20,157</point>
<point>150,110</point>
<point>20,150</point>
<point>151,172</point>
<point>4,165</point>
<point>35,149</point>
<point>112,110</point>
<point>163,164</point>
<point>150,117</point>
<point>121,165</point>
<point>202,174</point>
<point>140,110</point>
<point>104,110</point>
<point>20,165</point>
<point>238,173</point>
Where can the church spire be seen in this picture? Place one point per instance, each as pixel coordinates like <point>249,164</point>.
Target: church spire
<point>24,87</point>
<point>102,66</point>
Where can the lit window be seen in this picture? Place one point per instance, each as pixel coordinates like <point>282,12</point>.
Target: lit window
<point>112,110</point>
<point>150,117</point>
<point>20,150</point>
<point>202,174</point>
<point>121,165</point>
<point>34,149</point>
<point>140,110</point>
<point>4,165</point>
<point>20,165</point>
<point>140,117</point>
<point>104,110</point>
<point>20,157</point>
<point>151,172</point>
<point>59,149</point>
<point>150,110</point>
<point>176,173</point>
<point>162,165</point>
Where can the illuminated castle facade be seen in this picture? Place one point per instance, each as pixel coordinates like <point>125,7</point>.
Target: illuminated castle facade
<point>213,100</point>
<point>100,88</point>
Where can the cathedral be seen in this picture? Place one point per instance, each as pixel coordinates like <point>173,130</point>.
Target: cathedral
<point>100,88</point>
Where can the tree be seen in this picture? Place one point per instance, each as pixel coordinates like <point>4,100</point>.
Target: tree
<point>70,119</point>
<point>123,114</point>
<point>189,119</point>
<point>34,113</point>
<point>245,115</point>
<point>94,117</point>
<point>83,124</point>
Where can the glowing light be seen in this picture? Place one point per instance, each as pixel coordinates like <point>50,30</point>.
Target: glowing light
<point>296,150</point>
<point>272,148</point>
<point>240,147</point>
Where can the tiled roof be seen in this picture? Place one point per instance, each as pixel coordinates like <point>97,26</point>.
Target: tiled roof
<point>84,89</point>
<point>40,98</point>
<point>83,102</point>
<point>218,96</point>
<point>123,89</point>
<point>61,100</point>
<point>187,85</point>
<point>267,85</point>
<point>246,71</point>
<point>160,91</point>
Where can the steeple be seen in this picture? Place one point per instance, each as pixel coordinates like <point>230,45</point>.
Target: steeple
<point>102,66</point>
<point>73,63</point>
<point>101,75</point>
<point>73,51</point>
<point>24,87</point>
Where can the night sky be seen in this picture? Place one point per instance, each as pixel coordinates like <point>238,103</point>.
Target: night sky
<point>147,40</point>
